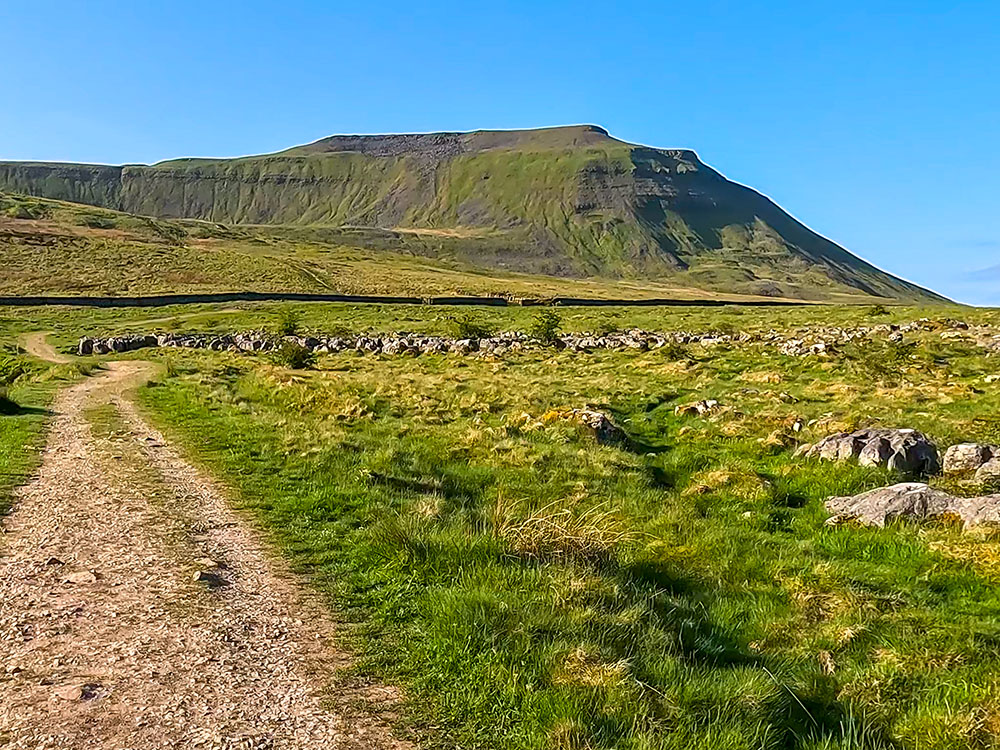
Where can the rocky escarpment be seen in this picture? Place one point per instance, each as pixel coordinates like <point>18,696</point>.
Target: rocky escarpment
<point>566,201</point>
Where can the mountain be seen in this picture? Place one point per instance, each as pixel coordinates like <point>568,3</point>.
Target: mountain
<point>568,202</point>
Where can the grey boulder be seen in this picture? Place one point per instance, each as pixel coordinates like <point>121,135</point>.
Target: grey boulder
<point>907,451</point>
<point>989,471</point>
<point>912,501</point>
<point>967,457</point>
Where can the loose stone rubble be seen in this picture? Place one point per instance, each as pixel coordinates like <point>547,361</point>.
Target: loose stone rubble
<point>820,341</point>
<point>912,501</point>
<point>907,451</point>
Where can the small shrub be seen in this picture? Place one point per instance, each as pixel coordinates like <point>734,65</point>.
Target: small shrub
<point>289,322</point>
<point>876,311</point>
<point>674,351</point>
<point>294,356</point>
<point>726,328</point>
<point>468,327</point>
<point>545,326</point>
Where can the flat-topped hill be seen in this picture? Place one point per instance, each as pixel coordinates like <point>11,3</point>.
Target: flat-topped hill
<point>567,202</point>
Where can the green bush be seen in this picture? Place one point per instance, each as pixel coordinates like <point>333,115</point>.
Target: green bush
<point>545,326</point>
<point>468,327</point>
<point>289,322</point>
<point>674,351</point>
<point>295,356</point>
<point>877,311</point>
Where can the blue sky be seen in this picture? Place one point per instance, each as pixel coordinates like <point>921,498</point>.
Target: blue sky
<point>876,123</point>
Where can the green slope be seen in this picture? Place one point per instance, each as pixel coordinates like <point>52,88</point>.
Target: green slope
<point>570,202</point>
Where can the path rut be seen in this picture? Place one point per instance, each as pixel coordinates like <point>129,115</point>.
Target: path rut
<point>107,640</point>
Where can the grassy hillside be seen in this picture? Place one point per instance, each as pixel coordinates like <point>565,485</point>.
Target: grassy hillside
<point>54,247</point>
<point>567,202</point>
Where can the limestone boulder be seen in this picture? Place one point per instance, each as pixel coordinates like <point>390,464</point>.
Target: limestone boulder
<point>915,502</point>
<point>967,457</point>
<point>907,451</point>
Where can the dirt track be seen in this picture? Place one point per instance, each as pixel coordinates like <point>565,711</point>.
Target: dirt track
<point>107,640</point>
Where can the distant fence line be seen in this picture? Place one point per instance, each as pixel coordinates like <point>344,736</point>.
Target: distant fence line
<point>162,300</point>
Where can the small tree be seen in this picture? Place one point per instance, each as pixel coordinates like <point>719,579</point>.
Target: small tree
<point>289,322</point>
<point>545,326</point>
<point>295,356</point>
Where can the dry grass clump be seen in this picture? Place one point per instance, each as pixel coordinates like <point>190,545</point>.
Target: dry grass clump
<point>568,734</point>
<point>762,376</point>
<point>580,667</point>
<point>736,481</point>
<point>556,531</point>
<point>980,549</point>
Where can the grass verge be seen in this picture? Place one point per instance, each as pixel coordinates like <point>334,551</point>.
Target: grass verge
<point>532,589</point>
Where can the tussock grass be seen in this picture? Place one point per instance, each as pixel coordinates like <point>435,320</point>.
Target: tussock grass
<point>557,531</point>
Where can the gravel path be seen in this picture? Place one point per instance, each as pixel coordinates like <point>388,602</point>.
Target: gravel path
<point>138,611</point>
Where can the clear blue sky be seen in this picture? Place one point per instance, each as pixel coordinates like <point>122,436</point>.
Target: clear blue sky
<point>876,123</point>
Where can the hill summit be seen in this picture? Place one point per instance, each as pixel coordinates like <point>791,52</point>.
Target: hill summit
<point>568,201</point>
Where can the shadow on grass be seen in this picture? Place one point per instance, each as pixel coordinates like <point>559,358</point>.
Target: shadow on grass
<point>10,408</point>
<point>805,710</point>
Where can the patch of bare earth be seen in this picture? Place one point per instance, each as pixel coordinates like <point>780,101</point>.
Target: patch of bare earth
<point>138,611</point>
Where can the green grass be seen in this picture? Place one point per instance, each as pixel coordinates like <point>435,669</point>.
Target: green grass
<point>531,589</point>
<point>58,248</point>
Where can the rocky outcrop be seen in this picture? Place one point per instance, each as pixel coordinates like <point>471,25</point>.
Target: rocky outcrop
<point>907,451</point>
<point>913,501</point>
<point>398,344</point>
<point>989,471</point>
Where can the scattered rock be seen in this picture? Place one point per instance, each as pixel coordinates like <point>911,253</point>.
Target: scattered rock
<point>605,430</point>
<point>698,408</point>
<point>206,562</point>
<point>74,693</point>
<point>912,501</point>
<point>210,579</point>
<point>967,457</point>
<point>989,470</point>
<point>54,561</point>
<point>81,576</point>
<point>69,693</point>
<point>907,451</point>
